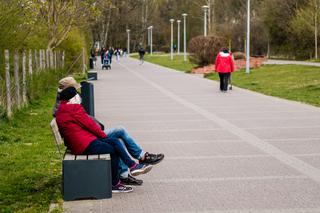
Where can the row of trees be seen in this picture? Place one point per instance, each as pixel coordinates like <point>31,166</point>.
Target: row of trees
<point>55,25</point>
<point>283,28</point>
<point>279,27</point>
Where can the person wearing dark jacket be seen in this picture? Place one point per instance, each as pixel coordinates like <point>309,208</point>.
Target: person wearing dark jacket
<point>224,66</point>
<point>118,132</point>
<point>83,136</point>
<point>141,54</point>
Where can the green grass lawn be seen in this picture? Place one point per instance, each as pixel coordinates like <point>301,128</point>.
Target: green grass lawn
<point>164,60</point>
<point>293,82</point>
<point>30,167</point>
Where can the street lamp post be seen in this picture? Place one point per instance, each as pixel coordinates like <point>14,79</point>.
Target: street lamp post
<point>151,27</point>
<point>248,38</point>
<point>184,37</point>
<point>178,21</point>
<point>205,8</point>
<point>171,45</point>
<point>128,44</point>
<point>148,35</point>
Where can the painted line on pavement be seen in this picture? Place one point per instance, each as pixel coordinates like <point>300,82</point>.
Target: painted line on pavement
<point>234,156</point>
<point>296,210</point>
<point>285,158</point>
<point>277,118</point>
<point>150,142</point>
<point>175,130</point>
<point>217,157</point>
<point>199,180</point>
<point>167,121</point>
<point>293,139</point>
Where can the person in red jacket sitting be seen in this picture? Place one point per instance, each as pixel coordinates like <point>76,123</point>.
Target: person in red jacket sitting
<point>224,66</point>
<point>82,135</point>
<point>118,132</point>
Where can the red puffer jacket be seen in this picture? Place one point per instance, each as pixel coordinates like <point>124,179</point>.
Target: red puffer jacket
<point>224,63</point>
<point>76,127</point>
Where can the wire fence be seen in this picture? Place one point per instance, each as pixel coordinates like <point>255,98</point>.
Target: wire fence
<point>25,74</point>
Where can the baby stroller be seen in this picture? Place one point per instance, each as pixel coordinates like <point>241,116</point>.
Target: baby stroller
<point>106,63</point>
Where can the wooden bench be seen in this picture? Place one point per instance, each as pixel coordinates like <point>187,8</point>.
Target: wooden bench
<point>83,176</point>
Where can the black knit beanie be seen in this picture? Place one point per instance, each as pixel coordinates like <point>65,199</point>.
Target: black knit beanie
<point>225,50</point>
<point>68,93</point>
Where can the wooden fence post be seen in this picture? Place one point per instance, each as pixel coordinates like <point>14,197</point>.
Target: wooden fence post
<point>16,78</point>
<point>44,59</point>
<point>30,62</point>
<point>63,59</point>
<point>55,60</point>
<point>40,59</point>
<point>51,59</point>
<point>8,89</point>
<point>84,66</point>
<point>24,77</point>
<point>36,62</point>
<point>47,59</point>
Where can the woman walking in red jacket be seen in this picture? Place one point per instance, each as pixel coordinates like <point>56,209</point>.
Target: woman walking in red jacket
<point>224,66</point>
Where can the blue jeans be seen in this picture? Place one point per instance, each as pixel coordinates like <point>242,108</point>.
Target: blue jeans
<point>116,150</point>
<point>134,150</point>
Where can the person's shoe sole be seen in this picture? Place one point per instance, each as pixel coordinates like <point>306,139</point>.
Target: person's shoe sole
<point>131,184</point>
<point>141,171</point>
<point>124,191</point>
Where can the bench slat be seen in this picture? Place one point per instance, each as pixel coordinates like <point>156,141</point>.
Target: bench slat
<point>104,157</point>
<point>69,156</point>
<point>55,131</point>
<point>93,157</point>
<point>81,157</point>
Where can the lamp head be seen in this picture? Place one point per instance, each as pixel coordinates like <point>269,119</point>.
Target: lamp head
<point>205,7</point>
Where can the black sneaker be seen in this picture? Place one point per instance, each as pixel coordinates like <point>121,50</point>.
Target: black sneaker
<point>140,168</point>
<point>120,188</point>
<point>131,181</point>
<point>152,158</point>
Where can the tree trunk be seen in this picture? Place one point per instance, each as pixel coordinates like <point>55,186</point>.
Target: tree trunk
<point>316,31</point>
<point>107,26</point>
<point>210,4</point>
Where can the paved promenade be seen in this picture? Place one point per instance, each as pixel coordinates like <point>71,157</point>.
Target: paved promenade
<point>236,152</point>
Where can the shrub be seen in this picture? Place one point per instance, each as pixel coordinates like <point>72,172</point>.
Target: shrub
<point>73,45</point>
<point>203,50</point>
<point>165,49</point>
<point>239,55</point>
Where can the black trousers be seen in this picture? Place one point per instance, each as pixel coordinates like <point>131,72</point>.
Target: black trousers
<point>224,80</point>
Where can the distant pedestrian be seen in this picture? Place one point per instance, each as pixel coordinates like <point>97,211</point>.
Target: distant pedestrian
<point>174,47</point>
<point>141,55</point>
<point>125,52</point>
<point>110,54</point>
<point>102,54</point>
<point>224,66</point>
<point>117,54</point>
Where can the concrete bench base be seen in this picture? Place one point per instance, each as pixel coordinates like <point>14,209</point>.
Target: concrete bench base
<point>86,177</point>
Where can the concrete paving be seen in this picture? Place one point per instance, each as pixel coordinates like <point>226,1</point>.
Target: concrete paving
<point>225,152</point>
